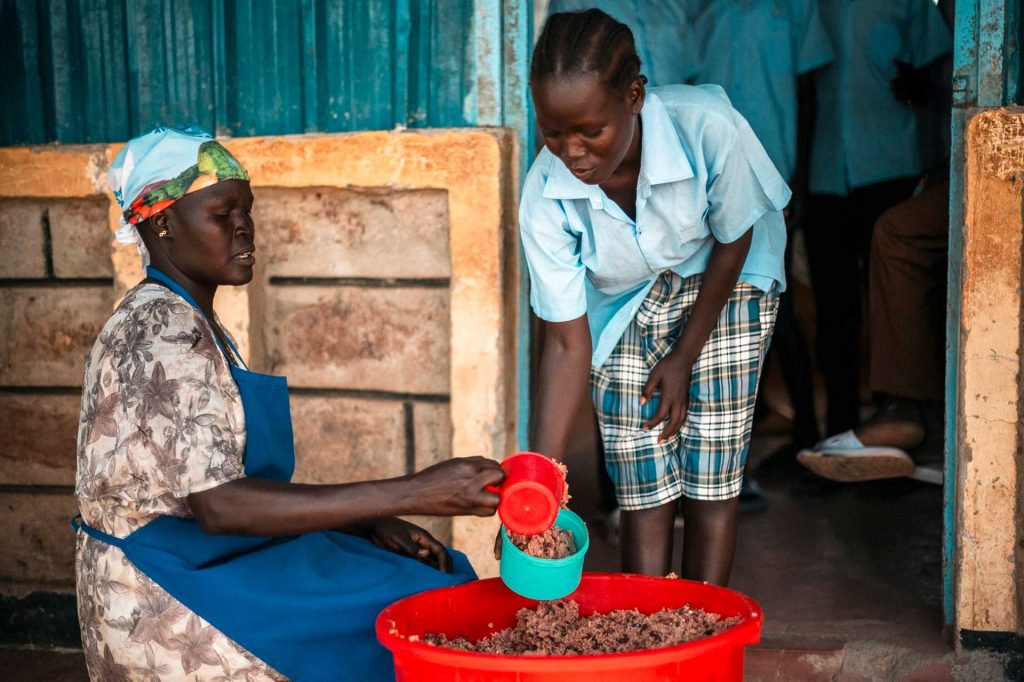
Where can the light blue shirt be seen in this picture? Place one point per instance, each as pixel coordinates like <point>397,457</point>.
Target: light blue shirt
<point>657,27</point>
<point>704,177</point>
<point>756,49</point>
<point>862,134</point>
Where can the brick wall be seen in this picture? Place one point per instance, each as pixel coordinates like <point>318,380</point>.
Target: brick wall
<point>56,291</point>
<point>354,310</point>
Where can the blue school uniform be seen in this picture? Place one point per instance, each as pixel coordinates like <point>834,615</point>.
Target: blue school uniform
<point>658,31</point>
<point>863,136</point>
<point>756,49</point>
<point>704,177</point>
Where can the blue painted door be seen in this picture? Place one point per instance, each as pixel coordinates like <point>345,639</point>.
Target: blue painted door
<point>104,70</point>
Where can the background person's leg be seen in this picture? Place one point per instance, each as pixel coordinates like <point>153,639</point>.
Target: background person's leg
<point>835,278</point>
<point>908,297</point>
<point>867,204</point>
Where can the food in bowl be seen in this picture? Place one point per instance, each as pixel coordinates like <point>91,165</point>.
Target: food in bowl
<point>554,543</point>
<point>555,628</point>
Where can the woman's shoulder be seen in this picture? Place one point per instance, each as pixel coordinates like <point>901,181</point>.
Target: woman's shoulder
<point>149,314</point>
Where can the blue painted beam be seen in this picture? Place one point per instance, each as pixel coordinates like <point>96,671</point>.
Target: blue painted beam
<point>517,35</point>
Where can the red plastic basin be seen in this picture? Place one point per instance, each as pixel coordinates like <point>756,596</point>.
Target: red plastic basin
<point>477,609</point>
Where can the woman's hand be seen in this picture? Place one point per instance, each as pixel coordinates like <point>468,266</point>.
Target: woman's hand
<point>408,539</point>
<point>457,486</point>
<point>671,376</point>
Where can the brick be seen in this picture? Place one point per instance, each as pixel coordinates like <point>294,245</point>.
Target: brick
<point>432,434</point>
<point>81,237</point>
<point>361,338</point>
<point>21,238</point>
<point>40,434</point>
<point>941,671</point>
<point>331,232</point>
<point>47,333</point>
<point>341,440</point>
<point>784,665</point>
<point>39,545</point>
<point>432,429</point>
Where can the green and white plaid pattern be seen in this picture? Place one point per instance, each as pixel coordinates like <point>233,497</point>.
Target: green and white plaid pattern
<point>705,460</point>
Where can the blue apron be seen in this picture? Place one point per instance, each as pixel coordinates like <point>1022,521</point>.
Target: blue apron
<point>306,604</point>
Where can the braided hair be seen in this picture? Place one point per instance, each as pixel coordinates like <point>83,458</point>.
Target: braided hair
<point>575,43</point>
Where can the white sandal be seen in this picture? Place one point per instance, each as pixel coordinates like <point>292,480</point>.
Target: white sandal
<point>843,457</point>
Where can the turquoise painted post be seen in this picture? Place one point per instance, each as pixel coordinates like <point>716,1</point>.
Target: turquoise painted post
<point>518,17</point>
<point>503,32</point>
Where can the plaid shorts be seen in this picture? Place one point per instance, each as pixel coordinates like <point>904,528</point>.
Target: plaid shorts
<point>705,460</point>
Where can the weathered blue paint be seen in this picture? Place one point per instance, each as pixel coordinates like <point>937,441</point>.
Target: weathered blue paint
<point>517,114</point>
<point>986,73</point>
<point>503,41</point>
<point>103,70</point>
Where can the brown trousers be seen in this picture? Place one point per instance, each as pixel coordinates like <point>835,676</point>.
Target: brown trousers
<point>907,296</point>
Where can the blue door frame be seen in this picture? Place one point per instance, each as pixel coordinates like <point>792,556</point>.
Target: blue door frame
<point>986,74</point>
<point>504,32</point>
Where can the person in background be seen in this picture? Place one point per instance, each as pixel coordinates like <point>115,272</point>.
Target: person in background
<point>764,52</point>
<point>653,232</point>
<point>658,28</point>
<point>907,295</point>
<point>865,158</point>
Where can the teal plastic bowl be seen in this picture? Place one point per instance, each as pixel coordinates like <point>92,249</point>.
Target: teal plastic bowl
<point>545,579</point>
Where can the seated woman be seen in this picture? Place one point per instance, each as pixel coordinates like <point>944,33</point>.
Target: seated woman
<point>196,557</point>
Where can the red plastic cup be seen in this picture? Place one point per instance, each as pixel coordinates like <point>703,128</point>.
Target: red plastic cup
<point>531,493</point>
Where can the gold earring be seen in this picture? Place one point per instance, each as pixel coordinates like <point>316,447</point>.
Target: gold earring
<point>161,234</point>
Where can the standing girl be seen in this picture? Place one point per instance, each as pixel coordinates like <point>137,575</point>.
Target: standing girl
<point>654,236</point>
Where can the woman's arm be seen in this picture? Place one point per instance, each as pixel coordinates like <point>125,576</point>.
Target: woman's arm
<point>564,375</point>
<point>253,506</point>
<point>672,373</point>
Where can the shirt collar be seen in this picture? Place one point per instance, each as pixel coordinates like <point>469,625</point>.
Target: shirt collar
<point>662,158</point>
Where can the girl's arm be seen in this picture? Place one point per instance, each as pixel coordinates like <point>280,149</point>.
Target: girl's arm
<point>564,376</point>
<point>672,373</point>
<point>253,506</point>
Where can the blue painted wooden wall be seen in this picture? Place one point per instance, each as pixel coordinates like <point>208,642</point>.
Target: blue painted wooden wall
<point>104,70</point>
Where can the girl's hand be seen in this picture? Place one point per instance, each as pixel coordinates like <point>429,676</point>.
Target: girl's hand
<point>671,376</point>
<point>408,539</point>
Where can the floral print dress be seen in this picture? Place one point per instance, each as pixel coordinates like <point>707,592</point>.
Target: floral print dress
<point>161,419</point>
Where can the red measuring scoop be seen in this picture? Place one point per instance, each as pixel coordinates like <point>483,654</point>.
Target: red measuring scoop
<point>530,494</point>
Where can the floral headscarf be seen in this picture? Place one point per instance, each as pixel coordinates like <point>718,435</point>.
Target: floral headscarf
<point>154,170</point>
